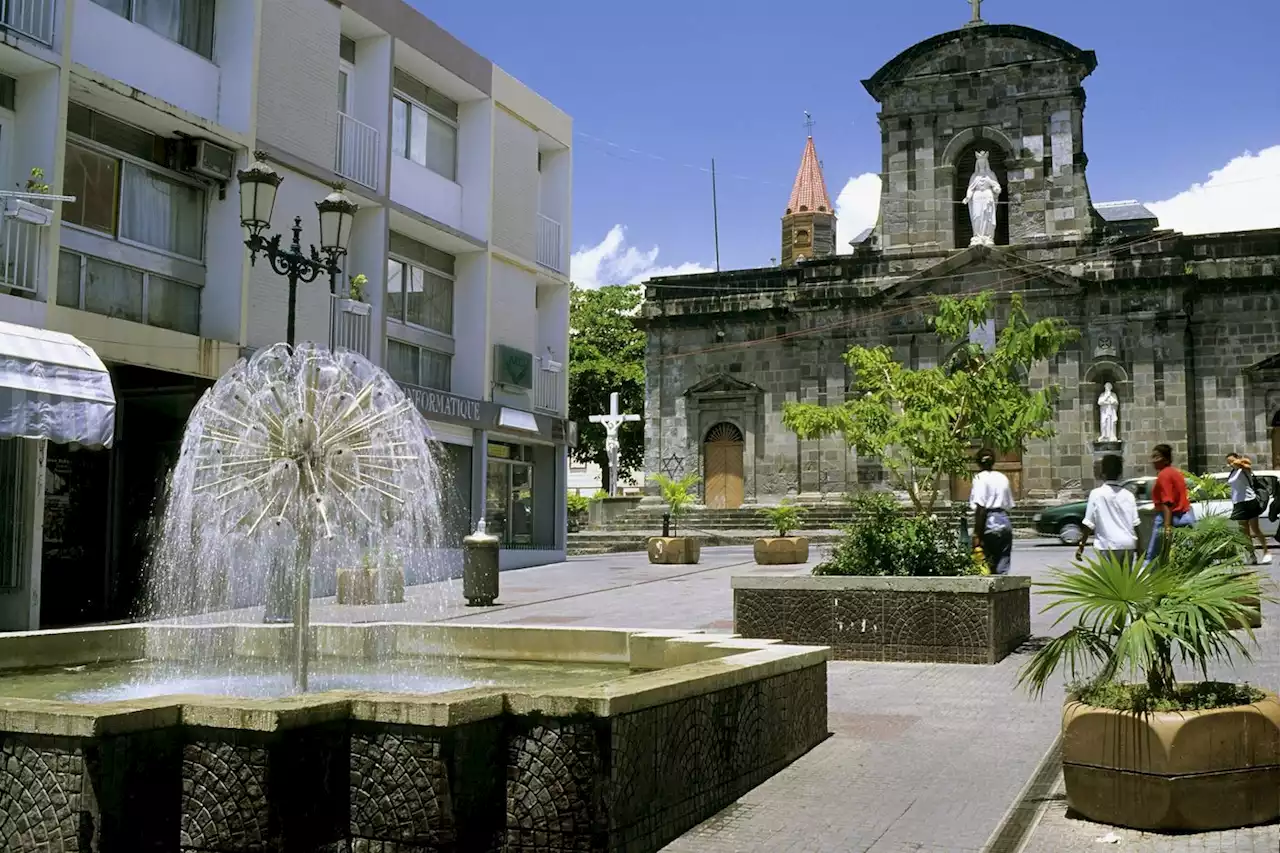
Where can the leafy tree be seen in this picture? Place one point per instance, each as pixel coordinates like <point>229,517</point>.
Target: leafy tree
<point>606,354</point>
<point>923,424</point>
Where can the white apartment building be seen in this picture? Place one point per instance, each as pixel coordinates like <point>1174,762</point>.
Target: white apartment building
<point>138,114</point>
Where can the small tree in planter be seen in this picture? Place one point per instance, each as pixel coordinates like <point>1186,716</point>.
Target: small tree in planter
<point>677,495</point>
<point>923,423</point>
<point>783,549</point>
<point>578,507</point>
<point>1141,749</point>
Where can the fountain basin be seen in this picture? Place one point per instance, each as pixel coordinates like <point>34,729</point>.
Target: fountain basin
<point>670,728</point>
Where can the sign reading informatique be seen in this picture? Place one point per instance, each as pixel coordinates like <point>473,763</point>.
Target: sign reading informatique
<point>445,406</point>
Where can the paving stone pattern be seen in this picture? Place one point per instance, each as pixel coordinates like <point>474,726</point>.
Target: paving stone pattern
<point>40,796</point>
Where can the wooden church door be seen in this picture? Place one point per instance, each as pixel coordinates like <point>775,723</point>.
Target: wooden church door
<point>723,459</point>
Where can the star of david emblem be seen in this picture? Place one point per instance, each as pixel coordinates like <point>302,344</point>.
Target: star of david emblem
<point>672,465</point>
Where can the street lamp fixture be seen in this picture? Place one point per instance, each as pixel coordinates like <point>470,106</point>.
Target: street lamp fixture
<point>258,187</point>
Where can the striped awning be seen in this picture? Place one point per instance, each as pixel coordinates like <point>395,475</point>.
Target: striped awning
<point>53,387</point>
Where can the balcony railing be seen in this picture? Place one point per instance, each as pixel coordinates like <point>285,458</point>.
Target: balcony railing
<point>31,18</point>
<point>550,249</point>
<point>23,221</point>
<point>349,325</point>
<point>358,151</point>
<point>547,386</point>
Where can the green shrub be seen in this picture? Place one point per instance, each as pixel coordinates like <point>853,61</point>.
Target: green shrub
<point>1213,539</point>
<point>1206,488</point>
<point>886,541</point>
<point>784,517</point>
<point>600,495</point>
<point>677,494</point>
<point>577,504</point>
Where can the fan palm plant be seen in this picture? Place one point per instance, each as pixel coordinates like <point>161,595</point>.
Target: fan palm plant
<point>677,494</point>
<point>1135,621</point>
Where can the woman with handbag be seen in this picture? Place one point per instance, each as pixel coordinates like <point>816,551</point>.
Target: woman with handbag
<point>1248,501</point>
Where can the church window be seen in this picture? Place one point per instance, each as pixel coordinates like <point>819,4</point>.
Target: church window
<point>802,237</point>
<point>963,172</point>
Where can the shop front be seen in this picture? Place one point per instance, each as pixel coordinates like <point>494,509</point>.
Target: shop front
<point>507,466</point>
<point>57,420</point>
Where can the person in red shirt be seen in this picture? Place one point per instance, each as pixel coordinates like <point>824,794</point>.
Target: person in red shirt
<point>1173,504</point>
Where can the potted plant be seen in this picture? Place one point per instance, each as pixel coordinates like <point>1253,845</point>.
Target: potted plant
<point>1215,539</point>
<point>782,549</point>
<point>24,210</point>
<point>355,303</point>
<point>379,579</point>
<point>1140,748</point>
<point>578,507</point>
<point>677,495</point>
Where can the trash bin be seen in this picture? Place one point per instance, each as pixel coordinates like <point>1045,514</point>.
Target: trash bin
<point>480,568</point>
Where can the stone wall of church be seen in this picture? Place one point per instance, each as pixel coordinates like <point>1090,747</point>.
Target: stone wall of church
<point>1189,389</point>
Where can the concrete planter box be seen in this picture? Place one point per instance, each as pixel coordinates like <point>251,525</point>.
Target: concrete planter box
<point>1185,770</point>
<point>977,619</point>
<point>605,511</point>
<point>674,550</point>
<point>380,586</point>
<point>782,550</point>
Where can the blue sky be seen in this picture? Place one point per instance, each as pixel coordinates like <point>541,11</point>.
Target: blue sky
<point>1183,89</point>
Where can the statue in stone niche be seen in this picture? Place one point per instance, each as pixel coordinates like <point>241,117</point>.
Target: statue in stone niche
<point>984,191</point>
<point>1108,406</point>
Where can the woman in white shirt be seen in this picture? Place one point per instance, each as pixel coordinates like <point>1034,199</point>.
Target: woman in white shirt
<point>1246,507</point>
<point>991,499</point>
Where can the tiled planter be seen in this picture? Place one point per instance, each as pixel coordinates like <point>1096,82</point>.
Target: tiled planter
<point>976,619</point>
<point>1191,771</point>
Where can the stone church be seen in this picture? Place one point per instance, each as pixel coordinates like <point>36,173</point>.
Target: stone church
<point>1185,328</point>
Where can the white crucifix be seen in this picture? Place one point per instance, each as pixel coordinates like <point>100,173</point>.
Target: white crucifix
<point>612,449</point>
<point>977,11</point>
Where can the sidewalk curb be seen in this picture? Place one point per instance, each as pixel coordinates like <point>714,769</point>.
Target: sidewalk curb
<point>1020,820</point>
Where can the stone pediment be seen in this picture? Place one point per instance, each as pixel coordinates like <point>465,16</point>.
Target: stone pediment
<point>722,383</point>
<point>980,268</point>
<point>953,53</point>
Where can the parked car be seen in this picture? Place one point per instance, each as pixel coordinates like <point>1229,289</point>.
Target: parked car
<point>1066,522</point>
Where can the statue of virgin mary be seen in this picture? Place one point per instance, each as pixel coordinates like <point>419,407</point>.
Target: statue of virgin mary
<point>984,191</point>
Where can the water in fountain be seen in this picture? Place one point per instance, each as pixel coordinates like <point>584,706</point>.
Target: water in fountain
<point>298,462</point>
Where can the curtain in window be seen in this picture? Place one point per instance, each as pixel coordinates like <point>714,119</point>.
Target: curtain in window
<point>113,290</point>
<point>399,126</point>
<point>436,369</point>
<point>68,279</point>
<point>442,144</point>
<point>187,22</point>
<point>395,290</point>
<point>173,305</point>
<point>418,135</point>
<point>402,362</point>
<point>161,213</point>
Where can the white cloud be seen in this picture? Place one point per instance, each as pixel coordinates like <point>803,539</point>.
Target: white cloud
<point>612,261</point>
<point>857,208</point>
<point>1241,195</point>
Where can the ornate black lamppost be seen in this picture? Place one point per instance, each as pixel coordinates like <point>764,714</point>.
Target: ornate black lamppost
<point>258,186</point>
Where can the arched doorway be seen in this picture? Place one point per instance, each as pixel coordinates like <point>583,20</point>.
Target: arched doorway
<point>722,455</point>
<point>965,164</point>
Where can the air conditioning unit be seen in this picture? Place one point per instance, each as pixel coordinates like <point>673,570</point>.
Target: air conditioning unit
<point>201,157</point>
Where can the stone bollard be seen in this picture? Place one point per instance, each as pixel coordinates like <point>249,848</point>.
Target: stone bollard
<point>480,568</point>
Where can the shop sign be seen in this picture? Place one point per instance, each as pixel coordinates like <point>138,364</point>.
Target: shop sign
<point>441,405</point>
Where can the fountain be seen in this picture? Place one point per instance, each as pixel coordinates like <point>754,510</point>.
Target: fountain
<point>299,459</point>
<point>297,463</point>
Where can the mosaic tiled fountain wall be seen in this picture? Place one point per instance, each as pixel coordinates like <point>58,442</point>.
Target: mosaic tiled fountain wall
<point>625,765</point>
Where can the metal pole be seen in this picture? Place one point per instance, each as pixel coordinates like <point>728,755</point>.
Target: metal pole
<point>715,212</point>
<point>302,613</point>
<point>296,249</point>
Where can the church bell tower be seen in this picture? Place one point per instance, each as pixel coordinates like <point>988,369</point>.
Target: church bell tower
<point>809,225</point>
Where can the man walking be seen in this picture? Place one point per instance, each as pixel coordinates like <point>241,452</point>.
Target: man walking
<point>991,499</point>
<point>1111,516</point>
<point>1173,504</point>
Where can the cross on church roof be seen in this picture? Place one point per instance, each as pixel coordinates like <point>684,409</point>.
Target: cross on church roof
<point>808,124</point>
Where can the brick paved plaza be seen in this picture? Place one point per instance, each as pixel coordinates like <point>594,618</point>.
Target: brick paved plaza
<point>935,758</point>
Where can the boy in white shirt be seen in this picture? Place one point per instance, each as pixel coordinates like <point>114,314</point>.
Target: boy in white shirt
<point>991,499</point>
<point>1111,515</point>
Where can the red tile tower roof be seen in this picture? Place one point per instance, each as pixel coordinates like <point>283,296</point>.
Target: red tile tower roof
<point>810,191</point>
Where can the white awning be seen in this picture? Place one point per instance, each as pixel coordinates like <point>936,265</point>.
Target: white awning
<point>54,387</point>
<point>517,419</point>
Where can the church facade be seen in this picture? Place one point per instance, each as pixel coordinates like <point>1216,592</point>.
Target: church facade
<point>1186,329</point>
